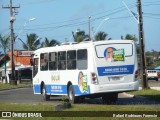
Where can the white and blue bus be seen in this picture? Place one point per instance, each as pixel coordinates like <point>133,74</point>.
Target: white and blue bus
<point>88,69</point>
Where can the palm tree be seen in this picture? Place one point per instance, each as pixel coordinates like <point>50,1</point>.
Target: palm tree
<point>129,37</point>
<point>4,44</point>
<point>80,36</point>
<point>132,37</point>
<point>33,42</point>
<point>101,36</point>
<point>49,43</point>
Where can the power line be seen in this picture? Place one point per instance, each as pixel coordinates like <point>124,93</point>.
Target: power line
<point>96,14</point>
<point>38,2</point>
<point>110,13</point>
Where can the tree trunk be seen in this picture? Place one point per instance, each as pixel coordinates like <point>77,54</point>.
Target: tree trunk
<point>5,65</point>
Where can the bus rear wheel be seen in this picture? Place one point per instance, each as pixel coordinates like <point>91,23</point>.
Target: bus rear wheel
<point>71,94</point>
<point>44,93</point>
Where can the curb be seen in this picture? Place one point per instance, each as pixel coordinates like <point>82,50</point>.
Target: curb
<point>134,96</point>
<point>14,88</point>
<point>128,95</point>
<point>156,88</point>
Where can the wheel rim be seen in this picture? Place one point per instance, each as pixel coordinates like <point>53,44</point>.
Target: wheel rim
<point>43,92</point>
<point>71,95</point>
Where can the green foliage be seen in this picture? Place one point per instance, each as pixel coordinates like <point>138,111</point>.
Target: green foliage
<point>129,37</point>
<point>101,36</point>
<point>153,58</point>
<point>149,62</point>
<point>4,43</point>
<point>49,43</point>
<point>32,43</point>
<point>157,63</point>
<point>148,93</point>
<point>81,107</point>
<point>8,86</point>
<point>80,36</point>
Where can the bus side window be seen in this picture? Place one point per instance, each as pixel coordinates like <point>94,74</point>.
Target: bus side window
<point>44,61</point>
<point>62,60</point>
<point>82,59</point>
<point>53,61</point>
<point>71,60</point>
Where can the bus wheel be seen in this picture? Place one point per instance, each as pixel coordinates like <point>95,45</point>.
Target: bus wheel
<point>71,94</point>
<point>44,93</point>
<point>110,98</point>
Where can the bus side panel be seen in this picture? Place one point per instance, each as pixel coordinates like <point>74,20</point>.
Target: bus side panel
<point>56,89</point>
<point>81,91</point>
<point>82,82</point>
<point>37,89</point>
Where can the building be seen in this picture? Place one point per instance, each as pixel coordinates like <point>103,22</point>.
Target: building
<point>21,60</point>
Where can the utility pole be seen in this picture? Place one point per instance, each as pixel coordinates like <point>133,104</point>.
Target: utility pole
<point>12,18</point>
<point>89,28</point>
<point>142,46</point>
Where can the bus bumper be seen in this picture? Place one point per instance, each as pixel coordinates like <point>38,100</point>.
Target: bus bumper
<point>132,86</point>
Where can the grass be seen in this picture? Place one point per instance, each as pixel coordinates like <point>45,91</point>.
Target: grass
<point>148,93</point>
<point>84,108</point>
<point>77,107</point>
<point>7,86</point>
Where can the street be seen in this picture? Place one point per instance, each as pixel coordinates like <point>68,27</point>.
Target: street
<point>26,96</point>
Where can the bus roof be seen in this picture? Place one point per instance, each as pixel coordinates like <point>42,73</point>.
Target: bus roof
<point>81,45</point>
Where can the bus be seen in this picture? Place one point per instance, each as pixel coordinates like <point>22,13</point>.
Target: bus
<point>24,74</point>
<point>93,69</point>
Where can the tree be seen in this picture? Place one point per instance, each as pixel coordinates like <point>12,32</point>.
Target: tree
<point>49,43</point>
<point>80,36</point>
<point>132,37</point>
<point>101,36</point>
<point>33,42</point>
<point>149,62</point>
<point>5,44</point>
<point>129,37</point>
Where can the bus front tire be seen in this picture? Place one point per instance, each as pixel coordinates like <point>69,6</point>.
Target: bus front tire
<point>44,93</point>
<point>71,94</point>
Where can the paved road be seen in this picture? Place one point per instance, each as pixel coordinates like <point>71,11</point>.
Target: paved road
<point>153,83</point>
<point>25,95</point>
<point>22,95</point>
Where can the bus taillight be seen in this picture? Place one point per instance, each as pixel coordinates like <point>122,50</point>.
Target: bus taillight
<point>136,74</point>
<point>94,78</point>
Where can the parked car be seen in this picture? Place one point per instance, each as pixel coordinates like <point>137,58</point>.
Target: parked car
<point>153,74</point>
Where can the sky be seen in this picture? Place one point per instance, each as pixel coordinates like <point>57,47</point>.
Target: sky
<point>57,19</point>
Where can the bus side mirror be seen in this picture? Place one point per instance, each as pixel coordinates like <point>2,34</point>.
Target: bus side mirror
<point>31,62</point>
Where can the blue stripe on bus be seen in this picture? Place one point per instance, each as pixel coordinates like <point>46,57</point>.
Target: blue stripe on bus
<point>115,70</point>
<point>61,89</point>
<point>37,89</point>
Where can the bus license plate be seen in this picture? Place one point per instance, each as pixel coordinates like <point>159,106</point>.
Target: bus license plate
<point>114,78</point>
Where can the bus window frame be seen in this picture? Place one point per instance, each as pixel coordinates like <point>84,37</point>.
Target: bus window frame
<point>44,66</point>
<point>72,62</point>
<point>84,67</point>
